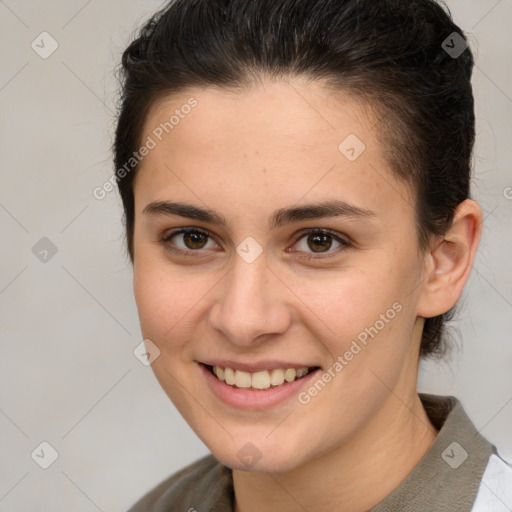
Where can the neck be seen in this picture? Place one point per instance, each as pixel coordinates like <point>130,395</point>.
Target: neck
<point>358,474</point>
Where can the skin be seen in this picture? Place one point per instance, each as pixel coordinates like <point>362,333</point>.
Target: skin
<point>246,155</point>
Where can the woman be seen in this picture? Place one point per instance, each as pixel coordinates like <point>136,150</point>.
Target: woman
<point>295,178</point>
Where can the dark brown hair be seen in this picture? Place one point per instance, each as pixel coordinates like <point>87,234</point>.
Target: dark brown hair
<point>405,58</point>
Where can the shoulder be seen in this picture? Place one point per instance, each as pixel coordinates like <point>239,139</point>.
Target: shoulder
<point>495,491</point>
<point>196,486</point>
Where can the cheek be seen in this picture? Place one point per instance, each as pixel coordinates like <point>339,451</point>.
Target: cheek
<point>369,305</point>
<point>173,308</point>
<point>165,300</point>
<point>348,301</point>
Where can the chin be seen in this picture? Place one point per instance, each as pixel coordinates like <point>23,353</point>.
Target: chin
<point>262,465</point>
<point>253,456</point>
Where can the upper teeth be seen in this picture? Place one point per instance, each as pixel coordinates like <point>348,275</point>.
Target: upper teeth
<point>259,380</point>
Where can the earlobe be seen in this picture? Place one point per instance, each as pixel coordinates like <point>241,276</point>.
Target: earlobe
<point>450,261</point>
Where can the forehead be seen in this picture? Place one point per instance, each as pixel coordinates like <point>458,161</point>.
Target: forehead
<point>285,139</point>
<point>289,114</point>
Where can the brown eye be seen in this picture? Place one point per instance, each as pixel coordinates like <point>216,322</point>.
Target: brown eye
<point>188,241</point>
<point>195,239</point>
<point>320,241</point>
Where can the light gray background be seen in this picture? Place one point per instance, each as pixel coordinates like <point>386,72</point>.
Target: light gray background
<point>69,326</point>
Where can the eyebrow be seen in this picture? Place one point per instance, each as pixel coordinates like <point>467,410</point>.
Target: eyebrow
<point>281,217</point>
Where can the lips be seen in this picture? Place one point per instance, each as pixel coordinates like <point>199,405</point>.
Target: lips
<point>261,380</point>
<point>255,398</point>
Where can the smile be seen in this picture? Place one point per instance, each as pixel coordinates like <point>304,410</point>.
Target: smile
<point>261,380</point>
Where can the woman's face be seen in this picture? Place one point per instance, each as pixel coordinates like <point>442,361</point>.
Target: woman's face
<point>251,288</point>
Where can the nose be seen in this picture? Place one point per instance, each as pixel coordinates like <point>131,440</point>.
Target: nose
<point>251,303</point>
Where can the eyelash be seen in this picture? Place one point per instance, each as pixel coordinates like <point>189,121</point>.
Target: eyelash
<point>344,244</point>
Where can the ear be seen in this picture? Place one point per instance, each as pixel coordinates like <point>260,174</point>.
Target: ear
<point>448,262</point>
